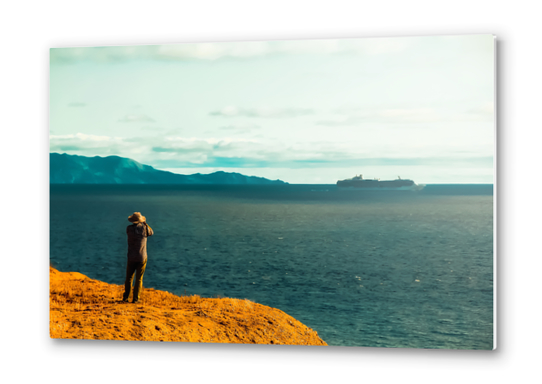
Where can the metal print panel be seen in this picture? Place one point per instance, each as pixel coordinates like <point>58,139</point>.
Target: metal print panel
<point>312,192</point>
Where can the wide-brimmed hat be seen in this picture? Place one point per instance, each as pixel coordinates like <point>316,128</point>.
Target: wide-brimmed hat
<point>137,217</point>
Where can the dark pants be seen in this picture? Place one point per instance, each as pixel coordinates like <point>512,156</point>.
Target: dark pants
<point>139,269</point>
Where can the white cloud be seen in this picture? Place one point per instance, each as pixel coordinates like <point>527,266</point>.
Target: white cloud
<point>417,115</point>
<point>180,144</point>
<point>212,51</point>
<point>353,116</point>
<point>240,128</point>
<point>89,145</point>
<point>263,112</point>
<point>227,152</point>
<point>483,112</point>
<point>389,116</point>
<point>82,137</point>
<point>237,50</point>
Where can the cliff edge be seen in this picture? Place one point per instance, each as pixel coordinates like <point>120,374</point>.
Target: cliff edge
<point>83,308</point>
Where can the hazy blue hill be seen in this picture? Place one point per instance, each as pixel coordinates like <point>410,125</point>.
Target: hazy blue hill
<point>74,169</point>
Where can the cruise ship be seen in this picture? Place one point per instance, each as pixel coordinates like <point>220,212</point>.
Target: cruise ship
<point>376,184</point>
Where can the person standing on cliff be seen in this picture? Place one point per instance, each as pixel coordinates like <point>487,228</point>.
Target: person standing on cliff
<point>137,255</point>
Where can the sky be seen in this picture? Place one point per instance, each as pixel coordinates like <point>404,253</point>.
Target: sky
<point>302,111</point>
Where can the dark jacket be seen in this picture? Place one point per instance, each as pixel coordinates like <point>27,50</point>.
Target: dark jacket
<point>137,241</point>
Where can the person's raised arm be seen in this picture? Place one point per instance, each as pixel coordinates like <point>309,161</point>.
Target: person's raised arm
<point>150,232</point>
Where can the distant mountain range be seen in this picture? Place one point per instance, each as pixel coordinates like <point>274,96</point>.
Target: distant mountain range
<point>74,169</point>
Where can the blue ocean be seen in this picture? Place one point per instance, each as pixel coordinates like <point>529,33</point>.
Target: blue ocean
<point>362,268</point>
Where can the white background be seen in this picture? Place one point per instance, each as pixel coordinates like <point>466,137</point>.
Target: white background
<point>28,29</point>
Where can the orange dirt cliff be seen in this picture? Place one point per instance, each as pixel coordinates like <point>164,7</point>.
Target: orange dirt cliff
<point>83,308</point>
